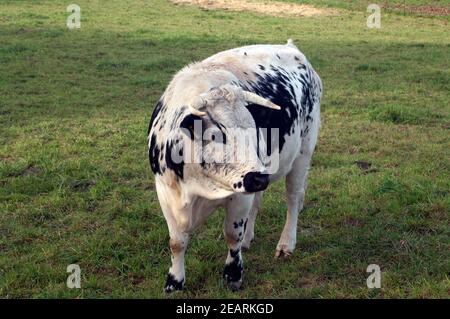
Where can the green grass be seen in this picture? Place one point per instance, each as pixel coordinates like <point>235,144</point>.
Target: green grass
<point>75,184</point>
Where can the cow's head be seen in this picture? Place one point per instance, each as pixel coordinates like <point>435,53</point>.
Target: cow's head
<point>221,143</point>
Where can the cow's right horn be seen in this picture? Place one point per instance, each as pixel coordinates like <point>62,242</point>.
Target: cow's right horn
<point>256,99</point>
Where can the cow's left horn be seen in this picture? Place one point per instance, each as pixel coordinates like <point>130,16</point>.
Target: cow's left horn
<point>199,104</point>
<point>196,112</point>
<point>256,99</point>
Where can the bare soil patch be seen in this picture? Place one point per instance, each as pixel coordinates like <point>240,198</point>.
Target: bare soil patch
<point>426,10</point>
<point>31,170</point>
<point>366,167</point>
<point>278,9</point>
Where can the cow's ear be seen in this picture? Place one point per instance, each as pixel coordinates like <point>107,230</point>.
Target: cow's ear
<point>192,126</point>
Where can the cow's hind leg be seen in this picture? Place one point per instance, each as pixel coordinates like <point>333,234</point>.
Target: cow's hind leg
<point>238,208</point>
<point>296,182</point>
<point>249,227</point>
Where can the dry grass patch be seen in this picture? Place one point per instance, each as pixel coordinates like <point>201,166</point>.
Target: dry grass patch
<point>278,9</point>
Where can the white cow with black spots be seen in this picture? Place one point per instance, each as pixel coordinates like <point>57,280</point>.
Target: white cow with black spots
<point>224,129</point>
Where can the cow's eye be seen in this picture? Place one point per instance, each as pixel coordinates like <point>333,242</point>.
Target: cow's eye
<point>214,135</point>
<point>219,137</point>
<point>189,125</point>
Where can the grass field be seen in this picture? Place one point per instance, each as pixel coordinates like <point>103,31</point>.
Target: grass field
<point>75,184</point>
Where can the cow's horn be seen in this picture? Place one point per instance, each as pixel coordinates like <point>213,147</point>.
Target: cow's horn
<point>256,99</point>
<point>199,104</point>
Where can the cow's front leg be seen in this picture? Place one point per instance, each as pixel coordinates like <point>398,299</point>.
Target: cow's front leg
<point>179,237</point>
<point>238,208</point>
<point>175,279</point>
<point>249,233</point>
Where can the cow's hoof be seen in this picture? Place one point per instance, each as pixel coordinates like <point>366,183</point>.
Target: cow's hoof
<point>233,274</point>
<point>283,254</point>
<point>172,284</point>
<point>285,247</point>
<point>234,285</point>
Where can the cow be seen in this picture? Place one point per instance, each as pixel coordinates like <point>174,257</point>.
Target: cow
<point>266,97</point>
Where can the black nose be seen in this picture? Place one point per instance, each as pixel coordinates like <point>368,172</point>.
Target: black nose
<point>255,182</point>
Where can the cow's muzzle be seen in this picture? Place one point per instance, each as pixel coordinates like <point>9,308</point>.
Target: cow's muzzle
<point>255,182</point>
